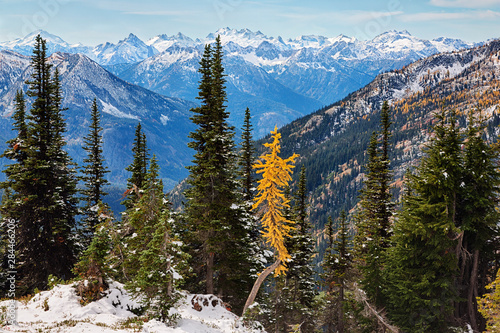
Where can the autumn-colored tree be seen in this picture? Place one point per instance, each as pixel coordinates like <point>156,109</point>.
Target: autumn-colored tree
<point>271,201</point>
<point>489,306</point>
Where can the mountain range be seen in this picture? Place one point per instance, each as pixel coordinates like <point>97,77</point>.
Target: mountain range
<point>279,80</point>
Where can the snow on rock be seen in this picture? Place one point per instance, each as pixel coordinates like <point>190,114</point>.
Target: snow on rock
<point>59,310</point>
<point>112,110</point>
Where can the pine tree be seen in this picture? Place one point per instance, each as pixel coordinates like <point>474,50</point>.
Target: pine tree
<point>94,173</point>
<point>138,167</point>
<point>247,157</point>
<point>373,226</point>
<point>385,175</point>
<point>139,222</point>
<point>218,233</point>
<point>478,218</point>
<point>423,263</point>
<point>276,173</point>
<point>42,186</point>
<point>154,259</point>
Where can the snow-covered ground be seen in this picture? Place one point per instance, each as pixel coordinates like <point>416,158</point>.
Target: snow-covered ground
<point>59,310</point>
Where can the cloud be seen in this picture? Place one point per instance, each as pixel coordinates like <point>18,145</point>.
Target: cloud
<point>465,3</point>
<point>437,16</point>
<point>348,17</point>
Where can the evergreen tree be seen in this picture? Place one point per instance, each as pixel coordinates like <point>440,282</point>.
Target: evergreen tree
<point>93,268</point>
<point>373,226</point>
<point>337,264</point>
<point>154,257</point>
<point>138,168</point>
<point>94,173</point>
<point>139,222</point>
<point>42,188</point>
<point>218,233</point>
<point>247,157</point>
<point>300,289</point>
<point>478,220</point>
<point>16,151</point>
<point>423,262</point>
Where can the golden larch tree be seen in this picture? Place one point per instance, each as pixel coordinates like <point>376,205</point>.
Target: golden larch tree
<point>270,202</point>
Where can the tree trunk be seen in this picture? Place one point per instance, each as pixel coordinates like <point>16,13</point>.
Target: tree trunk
<point>341,308</point>
<point>471,303</point>
<point>258,283</point>
<point>210,273</point>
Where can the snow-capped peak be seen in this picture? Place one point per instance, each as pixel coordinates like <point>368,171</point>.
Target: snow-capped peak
<point>243,37</point>
<point>163,42</point>
<point>29,40</point>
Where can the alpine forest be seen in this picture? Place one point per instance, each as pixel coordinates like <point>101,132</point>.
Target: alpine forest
<point>377,213</point>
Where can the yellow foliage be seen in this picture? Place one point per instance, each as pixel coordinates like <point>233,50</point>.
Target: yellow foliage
<point>276,173</point>
<point>489,306</point>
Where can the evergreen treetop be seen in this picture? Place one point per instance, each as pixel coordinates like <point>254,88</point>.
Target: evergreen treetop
<point>138,168</point>
<point>94,172</point>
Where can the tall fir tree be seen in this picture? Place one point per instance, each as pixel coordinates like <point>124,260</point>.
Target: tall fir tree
<point>423,261</point>
<point>138,168</point>
<point>247,158</point>
<point>218,235</point>
<point>477,219</point>
<point>373,225</point>
<point>42,192</point>
<point>94,173</point>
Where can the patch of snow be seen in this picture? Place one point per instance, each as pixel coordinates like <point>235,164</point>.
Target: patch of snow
<point>164,119</point>
<point>112,110</point>
<point>59,310</point>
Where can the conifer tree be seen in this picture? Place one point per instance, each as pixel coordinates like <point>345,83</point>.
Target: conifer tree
<point>478,219</point>
<point>93,267</point>
<point>276,173</point>
<point>246,159</point>
<point>42,192</point>
<point>94,173</point>
<point>139,222</point>
<point>279,300</point>
<point>218,234</point>
<point>154,259</point>
<point>489,306</point>
<point>423,262</point>
<point>300,288</point>
<point>373,226</point>
<point>138,167</point>
<point>337,264</point>
<point>16,151</point>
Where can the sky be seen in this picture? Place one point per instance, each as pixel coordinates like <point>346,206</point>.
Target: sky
<point>92,22</point>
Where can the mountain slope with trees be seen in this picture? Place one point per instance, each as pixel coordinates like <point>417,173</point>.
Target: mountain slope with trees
<point>165,120</point>
<point>332,141</point>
